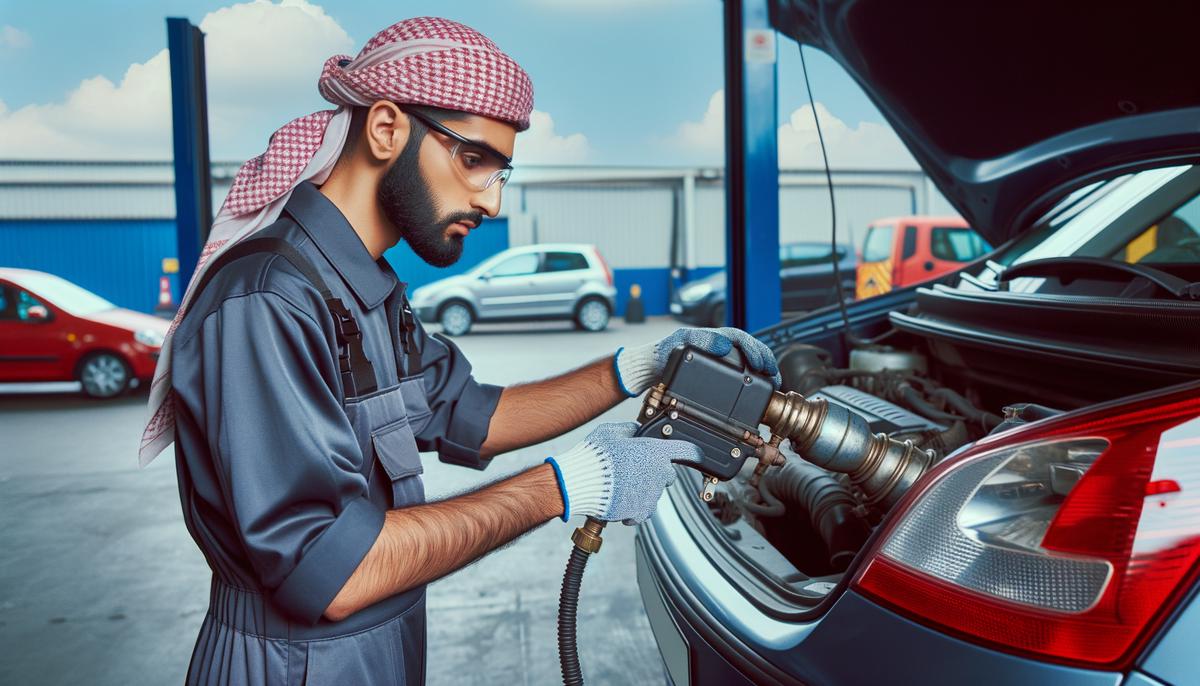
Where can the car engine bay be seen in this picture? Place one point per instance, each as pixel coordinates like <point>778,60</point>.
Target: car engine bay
<point>818,519</point>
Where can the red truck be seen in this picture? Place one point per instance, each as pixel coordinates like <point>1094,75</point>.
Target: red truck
<point>901,251</point>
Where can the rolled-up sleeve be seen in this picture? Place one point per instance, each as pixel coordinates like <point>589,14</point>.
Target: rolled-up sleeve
<point>289,464</point>
<point>460,407</point>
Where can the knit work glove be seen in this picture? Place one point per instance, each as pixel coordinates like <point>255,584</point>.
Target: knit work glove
<point>641,367</point>
<point>613,476</point>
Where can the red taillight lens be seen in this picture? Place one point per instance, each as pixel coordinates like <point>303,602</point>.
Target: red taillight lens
<point>1067,540</point>
<point>607,272</point>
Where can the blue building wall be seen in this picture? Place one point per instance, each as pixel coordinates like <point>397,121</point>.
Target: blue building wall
<point>656,286</point>
<point>490,238</point>
<point>119,260</point>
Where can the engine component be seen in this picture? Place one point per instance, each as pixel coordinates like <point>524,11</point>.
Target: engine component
<point>833,437</point>
<point>829,504</point>
<point>804,368</point>
<point>884,357</point>
<point>881,415</point>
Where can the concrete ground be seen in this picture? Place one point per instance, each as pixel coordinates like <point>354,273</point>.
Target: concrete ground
<point>101,584</point>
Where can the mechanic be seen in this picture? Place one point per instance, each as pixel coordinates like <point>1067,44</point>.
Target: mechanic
<point>297,437</point>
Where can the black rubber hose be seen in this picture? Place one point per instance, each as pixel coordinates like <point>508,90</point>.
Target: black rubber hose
<point>829,504</point>
<point>568,606</point>
<point>987,420</point>
<point>770,506</point>
<point>913,399</point>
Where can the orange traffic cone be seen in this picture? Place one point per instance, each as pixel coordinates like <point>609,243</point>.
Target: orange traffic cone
<point>166,303</point>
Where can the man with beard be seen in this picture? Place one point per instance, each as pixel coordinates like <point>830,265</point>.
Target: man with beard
<point>299,390</point>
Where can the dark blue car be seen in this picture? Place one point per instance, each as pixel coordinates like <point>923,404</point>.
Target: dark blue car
<point>806,282</point>
<point>1054,538</point>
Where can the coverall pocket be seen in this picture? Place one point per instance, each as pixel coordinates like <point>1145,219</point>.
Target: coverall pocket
<point>397,450</point>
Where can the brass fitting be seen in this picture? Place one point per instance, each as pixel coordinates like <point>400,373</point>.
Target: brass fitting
<point>587,537</point>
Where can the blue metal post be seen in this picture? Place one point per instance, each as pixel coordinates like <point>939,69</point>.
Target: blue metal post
<point>189,118</point>
<point>752,166</point>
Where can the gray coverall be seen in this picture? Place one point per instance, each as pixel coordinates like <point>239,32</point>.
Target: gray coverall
<point>284,481</point>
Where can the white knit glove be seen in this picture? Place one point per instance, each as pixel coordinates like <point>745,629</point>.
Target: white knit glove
<point>641,367</point>
<point>613,476</point>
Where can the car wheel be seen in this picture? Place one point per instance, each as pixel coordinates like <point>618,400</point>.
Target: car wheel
<point>456,319</point>
<point>592,315</point>
<point>104,375</point>
<point>717,318</point>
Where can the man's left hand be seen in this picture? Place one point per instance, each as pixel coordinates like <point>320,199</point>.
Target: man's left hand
<point>641,367</point>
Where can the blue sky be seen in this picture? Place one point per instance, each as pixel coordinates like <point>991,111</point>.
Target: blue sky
<point>618,81</point>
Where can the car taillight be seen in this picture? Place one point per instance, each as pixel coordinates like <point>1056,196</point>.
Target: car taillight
<point>607,272</point>
<point>1068,540</point>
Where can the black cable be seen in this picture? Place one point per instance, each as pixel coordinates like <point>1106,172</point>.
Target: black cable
<point>568,605</point>
<point>837,270</point>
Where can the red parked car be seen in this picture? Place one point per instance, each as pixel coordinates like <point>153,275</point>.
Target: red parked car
<point>53,330</point>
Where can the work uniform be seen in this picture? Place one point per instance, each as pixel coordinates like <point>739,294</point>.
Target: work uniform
<point>284,476</point>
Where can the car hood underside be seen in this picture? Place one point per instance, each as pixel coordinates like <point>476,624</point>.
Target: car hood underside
<point>1009,106</point>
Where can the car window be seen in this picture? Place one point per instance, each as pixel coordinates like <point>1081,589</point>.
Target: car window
<point>15,304</point>
<point>878,244</point>
<point>1173,239</point>
<point>8,303</point>
<point>65,294</point>
<point>517,266</point>
<point>910,242</point>
<point>564,262</point>
<point>804,255</point>
<point>956,244</point>
<point>1097,223</point>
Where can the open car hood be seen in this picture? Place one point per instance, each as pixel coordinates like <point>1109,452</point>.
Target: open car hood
<point>1010,105</point>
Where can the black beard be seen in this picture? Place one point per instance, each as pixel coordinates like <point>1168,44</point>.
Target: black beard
<point>407,202</point>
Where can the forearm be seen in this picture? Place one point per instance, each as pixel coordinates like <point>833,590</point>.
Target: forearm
<point>422,543</point>
<point>534,412</point>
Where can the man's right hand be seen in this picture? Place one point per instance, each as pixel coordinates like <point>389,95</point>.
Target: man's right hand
<point>613,476</point>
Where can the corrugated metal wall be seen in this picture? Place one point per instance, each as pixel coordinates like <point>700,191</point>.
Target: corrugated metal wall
<point>107,226</point>
<point>631,224</point>
<point>119,260</point>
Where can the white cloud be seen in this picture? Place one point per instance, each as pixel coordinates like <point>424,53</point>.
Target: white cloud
<point>540,144</point>
<point>866,146</point>
<point>258,55</point>
<point>704,139</point>
<point>12,38</point>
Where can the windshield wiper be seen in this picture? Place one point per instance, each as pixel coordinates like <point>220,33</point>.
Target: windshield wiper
<point>1068,269</point>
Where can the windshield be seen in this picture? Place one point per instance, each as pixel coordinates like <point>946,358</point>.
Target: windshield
<point>1151,217</point>
<point>878,245</point>
<point>64,294</point>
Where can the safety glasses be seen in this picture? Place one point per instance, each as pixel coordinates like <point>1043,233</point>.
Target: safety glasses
<point>478,163</point>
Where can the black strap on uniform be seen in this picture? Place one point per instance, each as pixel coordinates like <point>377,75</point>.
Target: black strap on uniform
<point>408,339</point>
<point>358,375</point>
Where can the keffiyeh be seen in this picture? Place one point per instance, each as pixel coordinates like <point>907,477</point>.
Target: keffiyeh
<point>422,61</point>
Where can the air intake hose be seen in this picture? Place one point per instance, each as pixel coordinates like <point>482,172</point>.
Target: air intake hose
<point>829,504</point>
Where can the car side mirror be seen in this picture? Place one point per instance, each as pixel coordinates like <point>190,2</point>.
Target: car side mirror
<point>37,313</point>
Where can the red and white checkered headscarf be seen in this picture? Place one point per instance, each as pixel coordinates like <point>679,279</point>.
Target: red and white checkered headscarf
<point>422,61</point>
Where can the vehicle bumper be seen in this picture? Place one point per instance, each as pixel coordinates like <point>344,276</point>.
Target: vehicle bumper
<point>426,314</point>
<point>142,361</point>
<point>710,634</point>
<point>691,313</point>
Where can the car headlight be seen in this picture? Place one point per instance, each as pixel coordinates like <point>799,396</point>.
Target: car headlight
<point>149,337</point>
<point>693,293</point>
